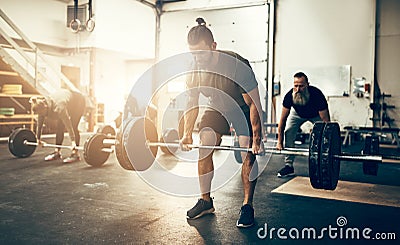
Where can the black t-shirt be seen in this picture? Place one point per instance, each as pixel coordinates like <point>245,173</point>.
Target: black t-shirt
<point>316,103</point>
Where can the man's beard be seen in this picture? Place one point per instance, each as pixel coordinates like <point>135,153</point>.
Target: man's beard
<point>301,98</point>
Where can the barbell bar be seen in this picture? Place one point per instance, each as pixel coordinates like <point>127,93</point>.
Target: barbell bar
<point>272,150</point>
<point>291,151</point>
<point>80,148</point>
<point>359,158</point>
<point>170,136</point>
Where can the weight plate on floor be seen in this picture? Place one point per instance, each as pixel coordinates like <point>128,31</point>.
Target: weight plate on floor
<point>136,134</point>
<point>107,130</point>
<point>16,142</point>
<point>169,135</point>
<point>330,147</point>
<point>371,147</point>
<point>92,152</point>
<point>314,155</point>
<point>10,139</point>
<point>120,151</point>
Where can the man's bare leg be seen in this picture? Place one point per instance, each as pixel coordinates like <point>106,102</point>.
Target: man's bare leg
<point>248,162</point>
<point>205,163</point>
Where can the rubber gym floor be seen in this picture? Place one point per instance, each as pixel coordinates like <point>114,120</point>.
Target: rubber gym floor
<point>54,203</point>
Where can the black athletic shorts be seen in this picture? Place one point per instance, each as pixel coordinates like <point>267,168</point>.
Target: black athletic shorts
<point>220,123</point>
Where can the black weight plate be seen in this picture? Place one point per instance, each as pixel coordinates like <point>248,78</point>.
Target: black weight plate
<point>92,152</point>
<point>107,130</point>
<point>237,154</point>
<point>330,146</point>
<point>120,152</point>
<point>169,135</point>
<point>10,140</point>
<point>16,142</point>
<point>314,155</point>
<point>136,134</point>
<point>371,147</point>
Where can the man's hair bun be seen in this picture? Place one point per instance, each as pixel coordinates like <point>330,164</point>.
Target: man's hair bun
<point>200,21</point>
<point>200,32</point>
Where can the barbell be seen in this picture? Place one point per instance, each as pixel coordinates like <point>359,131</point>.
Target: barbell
<point>169,144</point>
<point>137,145</point>
<point>271,150</point>
<point>22,143</point>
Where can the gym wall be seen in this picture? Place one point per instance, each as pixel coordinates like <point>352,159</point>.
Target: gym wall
<point>323,36</point>
<point>388,54</point>
<point>237,27</point>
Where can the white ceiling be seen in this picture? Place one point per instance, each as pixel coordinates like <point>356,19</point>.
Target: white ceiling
<point>149,1</point>
<point>71,1</point>
<point>64,1</point>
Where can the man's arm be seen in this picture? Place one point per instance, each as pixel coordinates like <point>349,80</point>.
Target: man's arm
<point>281,127</point>
<point>190,116</point>
<point>324,114</point>
<point>252,99</point>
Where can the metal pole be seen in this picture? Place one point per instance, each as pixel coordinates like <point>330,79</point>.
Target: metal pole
<point>359,158</point>
<point>291,151</point>
<point>52,145</point>
<point>80,148</point>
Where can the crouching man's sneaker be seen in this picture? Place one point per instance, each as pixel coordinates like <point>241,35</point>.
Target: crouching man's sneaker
<point>73,158</point>
<point>201,208</point>
<point>246,218</point>
<point>286,172</point>
<point>53,156</point>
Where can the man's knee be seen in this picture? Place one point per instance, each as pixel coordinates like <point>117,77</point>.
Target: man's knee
<point>291,132</point>
<point>209,137</point>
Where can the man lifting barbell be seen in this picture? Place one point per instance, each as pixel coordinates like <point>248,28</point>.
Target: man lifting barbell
<point>244,91</point>
<point>309,104</point>
<point>67,107</point>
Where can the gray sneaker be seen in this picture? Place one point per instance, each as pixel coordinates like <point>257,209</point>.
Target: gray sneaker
<point>53,156</point>
<point>201,208</point>
<point>73,158</point>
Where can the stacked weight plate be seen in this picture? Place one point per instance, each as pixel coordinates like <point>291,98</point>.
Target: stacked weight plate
<point>7,111</point>
<point>11,89</point>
